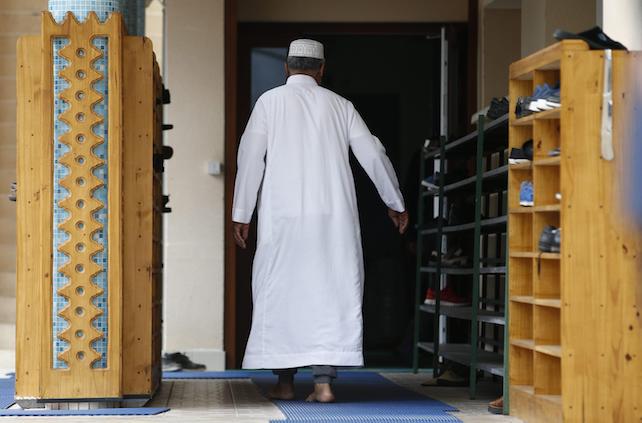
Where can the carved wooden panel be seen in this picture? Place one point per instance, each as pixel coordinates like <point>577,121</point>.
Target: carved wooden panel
<point>72,300</point>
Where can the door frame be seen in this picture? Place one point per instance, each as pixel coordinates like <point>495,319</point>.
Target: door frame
<point>239,39</point>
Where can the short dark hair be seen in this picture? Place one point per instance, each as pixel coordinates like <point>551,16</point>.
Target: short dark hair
<point>304,63</point>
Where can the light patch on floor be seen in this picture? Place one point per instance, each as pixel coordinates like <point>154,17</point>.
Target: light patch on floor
<point>235,400</point>
<point>195,400</point>
<point>470,411</point>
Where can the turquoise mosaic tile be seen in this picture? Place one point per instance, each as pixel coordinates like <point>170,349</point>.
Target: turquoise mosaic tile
<point>81,9</point>
<point>135,17</point>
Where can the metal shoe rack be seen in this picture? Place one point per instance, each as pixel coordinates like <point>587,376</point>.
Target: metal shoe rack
<point>487,272</point>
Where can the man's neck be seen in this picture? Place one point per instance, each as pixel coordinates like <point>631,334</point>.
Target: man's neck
<point>311,75</point>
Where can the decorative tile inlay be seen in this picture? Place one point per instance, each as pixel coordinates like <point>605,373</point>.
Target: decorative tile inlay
<point>80,334</point>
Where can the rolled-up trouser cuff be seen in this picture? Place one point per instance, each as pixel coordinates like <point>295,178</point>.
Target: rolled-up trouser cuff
<point>324,374</point>
<point>321,374</point>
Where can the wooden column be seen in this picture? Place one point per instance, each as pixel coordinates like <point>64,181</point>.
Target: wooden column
<point>129,362</point>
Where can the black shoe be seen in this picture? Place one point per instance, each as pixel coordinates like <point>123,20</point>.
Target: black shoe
<point>166,209</point>
<point>550,240</point>
<point>13,192</point>
<point>498,108</point>
<point>521,155</point>
<point>167,97</point>
<point>594,37</point>
<point>521,108</point>
<point>184,361</point>
<point>159,158</point>
<point>517,156</point>
<point>169,365</point>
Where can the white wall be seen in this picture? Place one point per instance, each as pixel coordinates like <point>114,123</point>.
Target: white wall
<point>540,19</point>
<point>194,256</point>
<point>154,28</point>
<point>533,26</point>
<point>499,46</point>
<point>622,21</point>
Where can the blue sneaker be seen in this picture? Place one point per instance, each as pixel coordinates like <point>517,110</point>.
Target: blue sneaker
<point>526,194</point>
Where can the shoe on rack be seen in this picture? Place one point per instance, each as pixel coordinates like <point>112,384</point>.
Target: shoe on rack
<point>554,152</point>
<point>517,156</point>
<point>522,155</point>
<point>497,406</point>
<point>594,37</point>
<point>454,257</point>
<point>538,93</point>
<point>448,297</point>
<point>550,240</point>
<point>184,361</point>
<point>526,194</point>
<point>461,211</point>
<point>527,148</point>
<point>545,97</point>
<point>447,378</point>
<point>170,365</point>
<point>554,100</point>
<point>430,297</point>
<point>521,107</point>
<point>430,184</point>
<point>558,196</point>
<point>450,378</point>
<point>498,108</point>
<point>13,191</point>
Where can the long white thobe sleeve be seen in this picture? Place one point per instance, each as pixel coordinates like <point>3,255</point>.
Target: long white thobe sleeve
<point>250,166</point>
<point>371,155</point>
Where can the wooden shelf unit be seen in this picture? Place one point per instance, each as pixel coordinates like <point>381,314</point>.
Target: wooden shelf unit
<point>574,327</point>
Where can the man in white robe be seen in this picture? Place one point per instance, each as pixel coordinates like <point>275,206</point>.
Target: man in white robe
<point>307,282</point>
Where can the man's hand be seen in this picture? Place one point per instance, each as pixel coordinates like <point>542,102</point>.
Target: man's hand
<point>241,232</point>
<point>399,219</point>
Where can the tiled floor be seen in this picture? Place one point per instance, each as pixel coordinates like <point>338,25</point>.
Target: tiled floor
<point>239,401</point>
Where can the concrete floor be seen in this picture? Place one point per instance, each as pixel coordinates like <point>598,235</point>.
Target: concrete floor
<point>239,401</point>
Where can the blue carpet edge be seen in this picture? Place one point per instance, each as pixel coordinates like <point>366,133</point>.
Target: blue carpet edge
<point>151,411</point>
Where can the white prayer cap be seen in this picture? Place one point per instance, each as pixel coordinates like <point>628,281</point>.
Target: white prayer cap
<point>306,48</point>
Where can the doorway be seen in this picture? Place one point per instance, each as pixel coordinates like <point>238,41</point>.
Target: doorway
<point>392,75</point>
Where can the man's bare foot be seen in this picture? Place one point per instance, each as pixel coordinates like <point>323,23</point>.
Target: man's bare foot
<point>322,393</point>
<point>282,391</point>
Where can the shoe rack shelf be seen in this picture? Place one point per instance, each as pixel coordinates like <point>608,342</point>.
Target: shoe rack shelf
<point>574,325</point>
<point>484,314</point>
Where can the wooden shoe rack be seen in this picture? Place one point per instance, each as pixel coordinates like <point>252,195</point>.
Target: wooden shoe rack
<point>574,318</point>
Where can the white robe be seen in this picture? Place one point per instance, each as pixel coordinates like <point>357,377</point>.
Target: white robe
<point>307,285</point>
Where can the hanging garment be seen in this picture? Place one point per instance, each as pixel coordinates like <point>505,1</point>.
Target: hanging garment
<point>307,281</point>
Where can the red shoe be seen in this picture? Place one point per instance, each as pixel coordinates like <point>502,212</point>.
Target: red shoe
<point>430,297</point>
<point>448,297</point>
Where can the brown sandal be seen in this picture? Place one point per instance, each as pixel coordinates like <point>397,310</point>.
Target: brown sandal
<point>497,406</point>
